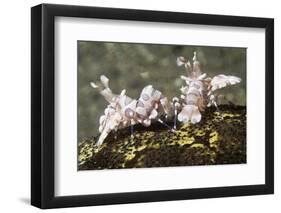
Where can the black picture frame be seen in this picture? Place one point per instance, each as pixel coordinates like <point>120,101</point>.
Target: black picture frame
<point>43,105</point>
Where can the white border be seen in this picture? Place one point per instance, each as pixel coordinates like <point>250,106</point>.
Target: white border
<point>70,182</point>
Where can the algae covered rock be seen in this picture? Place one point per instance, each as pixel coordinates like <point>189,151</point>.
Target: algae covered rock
<point>219,138</point>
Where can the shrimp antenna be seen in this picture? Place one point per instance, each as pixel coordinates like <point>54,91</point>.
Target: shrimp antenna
<point>182,61</point>
<point>196,65</point>
<point>166,125</point>
<point>194,56</point>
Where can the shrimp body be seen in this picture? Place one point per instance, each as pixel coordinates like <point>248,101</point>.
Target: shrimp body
<point>199,90</point>
<point>192,102</point>
<point>123,111</point>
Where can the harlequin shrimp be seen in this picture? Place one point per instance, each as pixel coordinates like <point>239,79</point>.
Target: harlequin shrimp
<point>199,90</point>
<point>123,111</point>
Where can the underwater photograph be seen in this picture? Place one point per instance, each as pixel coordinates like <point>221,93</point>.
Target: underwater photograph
<point>160,105</point>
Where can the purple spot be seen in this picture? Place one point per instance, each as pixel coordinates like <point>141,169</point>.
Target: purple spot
<point>129,113</point>
<point>145,97</point>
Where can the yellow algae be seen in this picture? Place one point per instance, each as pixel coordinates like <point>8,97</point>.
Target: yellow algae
<point>130,156</point>
<point>185,126</point>
<point>155,146</point>
<point>230,115</point>
<point>97,149</point>
<point>85,153</point>
<point>149,133</point>
<point>118,150</point>
<point>185,140</point>
<point>218,119</point>
<point>144,141</point>
<point>137,135</point>
<point>141,147</point>
<point>197,145</point>
<point>214,136</point>
<point>217,113</point>
<point>200,133</point>
<point>233,120</point>
<point>126,142</point>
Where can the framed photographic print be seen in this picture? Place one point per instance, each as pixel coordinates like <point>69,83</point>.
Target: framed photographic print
<point>139,106</point>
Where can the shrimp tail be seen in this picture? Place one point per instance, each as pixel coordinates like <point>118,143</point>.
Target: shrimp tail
<point>189,113</point>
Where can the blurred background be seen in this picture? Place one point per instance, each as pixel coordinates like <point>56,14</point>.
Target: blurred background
<point>133,66</point>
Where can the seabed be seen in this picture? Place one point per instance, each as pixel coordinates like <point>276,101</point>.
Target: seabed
<point>219,138</point>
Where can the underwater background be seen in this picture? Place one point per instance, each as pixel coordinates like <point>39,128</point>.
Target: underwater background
<point>133,66</point>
